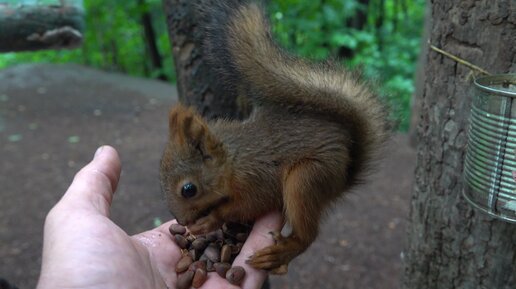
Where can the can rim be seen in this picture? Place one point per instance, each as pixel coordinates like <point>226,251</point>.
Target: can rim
<point>502,217</point>
<point>485,83</point>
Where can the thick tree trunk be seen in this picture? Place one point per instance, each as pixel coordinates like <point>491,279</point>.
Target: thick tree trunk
<point>197,82</point>
<point>451,245</point>
<point>40,27</point>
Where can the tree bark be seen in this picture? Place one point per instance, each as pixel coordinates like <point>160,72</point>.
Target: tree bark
<point>451,245</point>
<point>197,82</point>
<point>40,27</point>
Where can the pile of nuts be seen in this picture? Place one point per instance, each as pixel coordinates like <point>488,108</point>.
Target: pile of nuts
<point>213,252</point>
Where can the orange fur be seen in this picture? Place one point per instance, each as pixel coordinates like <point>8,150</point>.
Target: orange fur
<point>314,131</point>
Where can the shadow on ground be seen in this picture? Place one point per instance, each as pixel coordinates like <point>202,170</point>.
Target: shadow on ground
<point>53,117</point>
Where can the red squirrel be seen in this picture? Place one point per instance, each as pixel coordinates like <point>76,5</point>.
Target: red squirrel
<point>311,137</point>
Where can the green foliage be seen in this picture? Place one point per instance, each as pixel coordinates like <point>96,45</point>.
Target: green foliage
<point>113,40</point>
<point>379,37</point>
<point>385,48</point>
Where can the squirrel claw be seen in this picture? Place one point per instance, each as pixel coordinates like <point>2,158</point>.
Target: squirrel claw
<point>274,259</point>
<point>276,236</point>
<point>281,270</point>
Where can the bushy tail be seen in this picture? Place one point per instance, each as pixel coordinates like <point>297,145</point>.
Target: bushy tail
<point>241,46</point>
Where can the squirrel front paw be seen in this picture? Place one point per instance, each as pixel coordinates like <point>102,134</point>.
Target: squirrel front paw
<point>205,225</point>
<point>275,258</point>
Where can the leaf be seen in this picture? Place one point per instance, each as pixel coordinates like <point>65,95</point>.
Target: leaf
<point>15,137</point>
<point>342,39</point>
<point>74,139</point>
<point>157,222</point>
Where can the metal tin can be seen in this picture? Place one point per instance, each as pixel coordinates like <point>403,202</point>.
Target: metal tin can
<point>491,157</point>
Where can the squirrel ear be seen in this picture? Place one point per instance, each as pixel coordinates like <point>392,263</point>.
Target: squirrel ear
<point>189,129</point>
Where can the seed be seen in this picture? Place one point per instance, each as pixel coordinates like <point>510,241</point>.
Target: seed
<point>209,266</point>
<point>225,254</point>
<point>211,236</point>
<point>239,246</point>
<point>190,238</point>
<point>222,268</point>
<point>199,278</point>
<point>183,264</point>
<point>218,243</point>
<point>181,241</point>
<point>219,234</point>
<point>200,243</point>
<point>234,249</point>
<point>194,254</point>
<point>196,265</point>
<point>235,275</point>
<point>241,237</point>
<point>203,258</point>
<point>177,229</point>
<point>212,253</point>
<point>185,280</point>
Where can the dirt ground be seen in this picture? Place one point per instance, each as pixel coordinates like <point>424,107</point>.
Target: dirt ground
<point>53,117</point>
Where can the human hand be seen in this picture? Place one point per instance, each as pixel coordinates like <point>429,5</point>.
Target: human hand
<point>83,248</point>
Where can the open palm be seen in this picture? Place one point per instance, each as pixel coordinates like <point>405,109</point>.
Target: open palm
<point>83,248</point>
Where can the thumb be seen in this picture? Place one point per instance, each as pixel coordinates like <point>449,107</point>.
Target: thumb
<point>94,185</point>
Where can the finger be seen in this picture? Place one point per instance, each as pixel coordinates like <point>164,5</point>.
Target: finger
<point>93,186</point>
<point>215,281</point>
<point>258,238</point>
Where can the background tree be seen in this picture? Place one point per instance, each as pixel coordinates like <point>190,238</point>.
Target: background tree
<point>31,26</point>
<point>156,62</point>
<point>451,245</point>
<point>197,82</point>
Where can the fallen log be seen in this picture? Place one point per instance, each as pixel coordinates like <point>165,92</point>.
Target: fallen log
<point>36,27</point>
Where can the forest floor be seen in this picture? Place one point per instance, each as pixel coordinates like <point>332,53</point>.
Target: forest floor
<point>53,117</point>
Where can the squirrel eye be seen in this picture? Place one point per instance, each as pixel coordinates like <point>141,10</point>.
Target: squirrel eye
<point>188,190</point>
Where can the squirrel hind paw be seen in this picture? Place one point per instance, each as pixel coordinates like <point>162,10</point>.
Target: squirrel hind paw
<point>274,258</point>
<point>281,270</point>
<point>277,237</point>
<point>270,265</point>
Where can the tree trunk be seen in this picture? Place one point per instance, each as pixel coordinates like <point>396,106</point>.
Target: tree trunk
<point>197,82</point>
<point>419,80</point>
<point>40,27</point>
<point>379,22</point>
<point>451,245</point>
<point>150,39</point>
<point>358,22</point>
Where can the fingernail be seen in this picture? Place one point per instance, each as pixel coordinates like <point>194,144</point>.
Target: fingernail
<point>99,150</point>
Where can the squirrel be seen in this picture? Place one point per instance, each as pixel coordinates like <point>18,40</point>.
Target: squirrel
<point>314,131</point>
